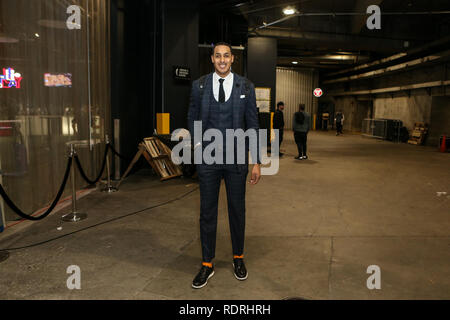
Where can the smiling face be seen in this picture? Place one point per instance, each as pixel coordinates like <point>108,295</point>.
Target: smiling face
<point>222,59</point>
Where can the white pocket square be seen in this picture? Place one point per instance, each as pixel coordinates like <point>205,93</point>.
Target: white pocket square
<point>242,96</point>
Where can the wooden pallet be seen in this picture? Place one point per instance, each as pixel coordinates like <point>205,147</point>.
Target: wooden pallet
<point>158,155</point>
<point>418,134</point>
<point>161,158</point>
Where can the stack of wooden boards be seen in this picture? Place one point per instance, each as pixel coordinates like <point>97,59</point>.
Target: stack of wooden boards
<point>418,134</point>
<point>158,155</point>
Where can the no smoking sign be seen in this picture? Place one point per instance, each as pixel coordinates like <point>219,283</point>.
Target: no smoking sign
<point>318,92</point>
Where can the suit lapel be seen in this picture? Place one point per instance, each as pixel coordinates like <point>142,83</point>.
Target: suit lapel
<point>206,101</point>
<point>236,95</point>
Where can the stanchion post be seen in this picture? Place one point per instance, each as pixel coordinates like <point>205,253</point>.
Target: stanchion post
<point>117,160</point>
<point>74,216</point>
<point>2,207</point>
<point>109,188</point>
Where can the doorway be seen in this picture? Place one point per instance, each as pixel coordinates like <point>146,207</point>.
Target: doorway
<point>364,110</point>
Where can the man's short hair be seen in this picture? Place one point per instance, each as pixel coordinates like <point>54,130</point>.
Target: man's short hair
<point>221,43</point>
<point>281,103</point>
<point>302,106</point>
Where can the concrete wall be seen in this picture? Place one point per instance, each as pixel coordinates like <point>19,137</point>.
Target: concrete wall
<point>440,120</point>
<point>409,106</point>
<point>347,105</point>
<point>407,109</point>
<point>354,110</point>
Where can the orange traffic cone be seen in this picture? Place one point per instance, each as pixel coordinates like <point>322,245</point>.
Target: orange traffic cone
<point>443,144</point>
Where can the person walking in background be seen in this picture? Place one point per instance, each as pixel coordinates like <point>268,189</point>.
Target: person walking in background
<point>301,125</point>
<point>278,122</point>
<point>339,120</point>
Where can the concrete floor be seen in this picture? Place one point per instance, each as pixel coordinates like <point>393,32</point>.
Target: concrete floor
<point>312,231</point>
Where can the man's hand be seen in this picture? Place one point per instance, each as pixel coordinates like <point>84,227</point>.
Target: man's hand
<point>256,174</point>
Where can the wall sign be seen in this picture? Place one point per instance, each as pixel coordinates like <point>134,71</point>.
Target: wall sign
<point>318,92</point>
<point>182,73</point>
<point>262,99</point>
<point>58,80</point>
<point>10,79</point>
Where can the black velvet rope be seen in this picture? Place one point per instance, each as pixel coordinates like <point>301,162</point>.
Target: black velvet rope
<point>83,174</point>
<point>118,154</point>
<point>19,212</point>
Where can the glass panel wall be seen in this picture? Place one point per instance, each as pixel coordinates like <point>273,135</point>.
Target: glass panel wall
<point>54,74</point>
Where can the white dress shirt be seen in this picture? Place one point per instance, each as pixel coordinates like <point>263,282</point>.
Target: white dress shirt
<point>227,85</point>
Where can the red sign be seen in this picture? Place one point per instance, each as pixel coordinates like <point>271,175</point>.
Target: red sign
<point>10,79</point>
<point>318,92</point>
<point>6,129</point>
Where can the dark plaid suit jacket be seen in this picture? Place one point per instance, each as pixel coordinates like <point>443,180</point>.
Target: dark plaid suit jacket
<point>245,113</point>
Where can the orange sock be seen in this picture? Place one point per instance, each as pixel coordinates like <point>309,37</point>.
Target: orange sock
<point>238,257</point>
<point>207,264</point>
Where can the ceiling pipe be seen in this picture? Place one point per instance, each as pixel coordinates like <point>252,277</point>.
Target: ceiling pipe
<point>344,39</point>
<point>394,57</point>
<point>416,86</point>
<point>394,68</point>
<point>211,46</point>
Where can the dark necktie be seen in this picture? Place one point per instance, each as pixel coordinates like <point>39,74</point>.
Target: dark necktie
<point>221,91</point>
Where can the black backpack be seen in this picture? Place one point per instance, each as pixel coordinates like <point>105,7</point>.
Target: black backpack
<point>300,117</point>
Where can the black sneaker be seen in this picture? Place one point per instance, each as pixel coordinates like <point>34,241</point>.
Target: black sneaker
<point>240,272</point>
<point>305,157</point>
<point>298,158</point>
<point>201,279</point>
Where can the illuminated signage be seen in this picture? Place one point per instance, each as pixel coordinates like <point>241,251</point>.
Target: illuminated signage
<point>10,79</point>
<point>58,80</point>
<point>181,73</point>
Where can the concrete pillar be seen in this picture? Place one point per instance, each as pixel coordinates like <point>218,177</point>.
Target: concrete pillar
<point>262,64</point>
<point>262,71</point>
<point>180,38</point>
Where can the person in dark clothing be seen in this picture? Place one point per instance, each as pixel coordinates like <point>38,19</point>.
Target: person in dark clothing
<point>278,122</point>
<point>223,100</point>
<point>301,125</point>
<point>339,119</point>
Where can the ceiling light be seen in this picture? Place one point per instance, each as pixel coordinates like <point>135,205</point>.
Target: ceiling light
<point>288,11</point>
<point>37,35</point>
<point>294,62</point>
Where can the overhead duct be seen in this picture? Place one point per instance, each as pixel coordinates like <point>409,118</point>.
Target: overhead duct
<point>398,67</point>
<point>437,43</point>
<point>347,41</point>
<point>416,86</point>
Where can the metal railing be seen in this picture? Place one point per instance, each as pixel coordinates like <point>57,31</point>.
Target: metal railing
<point>386,129</point>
